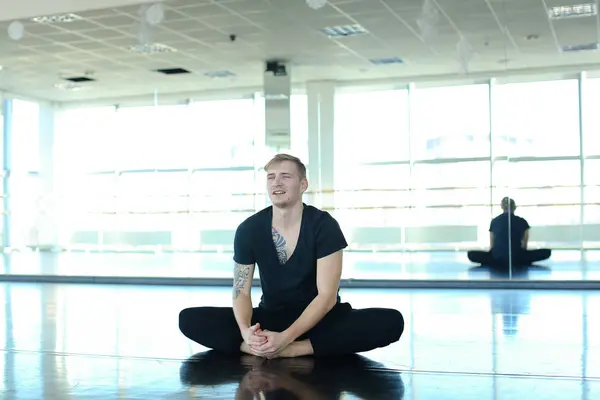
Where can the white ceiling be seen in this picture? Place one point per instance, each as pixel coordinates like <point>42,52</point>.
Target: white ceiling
<point>12,10</point>
<point>495,30</point>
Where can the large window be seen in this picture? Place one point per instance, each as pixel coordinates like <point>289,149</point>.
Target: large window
<point>546,192</point>
<point>25,136</point>
<point>24,190</point>
<point>182,169</point>
<point>450,122</point>
<point>538,119</point>
<point>155,200</point>
<point>591,117</point>
<point>451,194</point>
<point>371,173</point>
<point>371,127</point>
<point>86,140</point>
<point>373,195</point>
<point>592,192</point>
<point>86,203</point>
<point>167,137</point>
<point>299,126</point>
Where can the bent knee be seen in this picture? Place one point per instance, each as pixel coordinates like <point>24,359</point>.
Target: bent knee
<point>395,325</point>
<point>184,320</point>
<point>391,325</point>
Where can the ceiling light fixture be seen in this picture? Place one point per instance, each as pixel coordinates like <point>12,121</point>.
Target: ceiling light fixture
<point>219,74</point>
<point>344,31</point>
<point>16,30</point>
<point>581,47</point>
<point>69,86</point>
<point>573,11</point>
<point>57,19</point>
<point>155,14</point>
<point>386,61</point>
<point>316,4</point>
<point>152,48</point>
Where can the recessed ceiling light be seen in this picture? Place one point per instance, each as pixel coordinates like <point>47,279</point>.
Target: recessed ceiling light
<point>219,74</point>
<point>69,86</point>
<point>571,11</point>
<point>280,96</point>
<point>57,19</point>
<point>386,61</point>
<point>154,48</point>
<point>344,31</point>
<point>580,47</point>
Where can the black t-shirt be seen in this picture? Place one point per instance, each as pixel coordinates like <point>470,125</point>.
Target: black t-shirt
<point>499,227</point>
<point>294,284</point>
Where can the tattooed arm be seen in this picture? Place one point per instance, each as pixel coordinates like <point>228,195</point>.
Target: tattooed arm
<point>242,303</point>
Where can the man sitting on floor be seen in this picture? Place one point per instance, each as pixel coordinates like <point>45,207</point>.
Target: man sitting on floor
<point>509,235</point>
<point>298,249</point>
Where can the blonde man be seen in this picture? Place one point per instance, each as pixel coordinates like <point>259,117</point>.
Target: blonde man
<point>298,249</point>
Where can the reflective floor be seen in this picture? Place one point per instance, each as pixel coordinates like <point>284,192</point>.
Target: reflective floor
<point>95,341</point>
<point>564,265</point>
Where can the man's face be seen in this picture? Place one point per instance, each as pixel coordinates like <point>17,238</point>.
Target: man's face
<point>284,185</point>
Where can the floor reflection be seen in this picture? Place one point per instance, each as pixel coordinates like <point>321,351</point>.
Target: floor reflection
<point>247,377</point>
<point>100,341</point>
<point>565,265</point>
<point>532,271</point>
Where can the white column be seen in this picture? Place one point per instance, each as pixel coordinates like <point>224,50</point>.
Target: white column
<point>277,93</point>
<point>47,221</point>
<point>6,168</point>
<point>582,199</point>
<point>326,140</point>
<point>314,156</point>
<point>321,110</point>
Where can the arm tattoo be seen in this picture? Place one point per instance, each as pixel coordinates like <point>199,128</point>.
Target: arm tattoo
<point>241,273</point>
<point>280,246</point>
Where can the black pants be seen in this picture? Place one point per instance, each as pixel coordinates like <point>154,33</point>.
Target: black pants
<point>342,331</point>
<point>520,259</point>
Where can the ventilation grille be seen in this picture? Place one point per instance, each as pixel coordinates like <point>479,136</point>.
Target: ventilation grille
<point>344,31</point>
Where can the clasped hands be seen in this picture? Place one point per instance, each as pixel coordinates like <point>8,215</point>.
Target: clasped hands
<point>264,343</point>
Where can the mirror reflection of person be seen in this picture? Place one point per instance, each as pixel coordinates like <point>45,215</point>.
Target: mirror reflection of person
<point>241,377</point>
<point>508,244</point>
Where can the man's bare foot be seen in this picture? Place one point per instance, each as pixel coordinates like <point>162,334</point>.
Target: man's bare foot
<point>297,349</point>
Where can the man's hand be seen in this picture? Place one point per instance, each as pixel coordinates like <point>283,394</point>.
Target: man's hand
<point>275,342</point>
<point>251,336</point>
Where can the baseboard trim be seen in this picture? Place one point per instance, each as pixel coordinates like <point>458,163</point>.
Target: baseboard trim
<point>345,283</point>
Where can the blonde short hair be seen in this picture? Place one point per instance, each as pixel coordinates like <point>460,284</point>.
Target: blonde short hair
<point>287,157</point>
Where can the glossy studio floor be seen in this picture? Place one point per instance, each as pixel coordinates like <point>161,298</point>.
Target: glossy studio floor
<point>564,265</point>
<point>100,341</point>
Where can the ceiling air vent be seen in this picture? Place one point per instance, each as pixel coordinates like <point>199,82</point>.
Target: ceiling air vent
<point>580,47</point>
<point>80,79</point>
<point>573,11</point>
<point>344,31</point>
<point>173,71</point>
<point>154,48</point>
<point>57,19</point>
